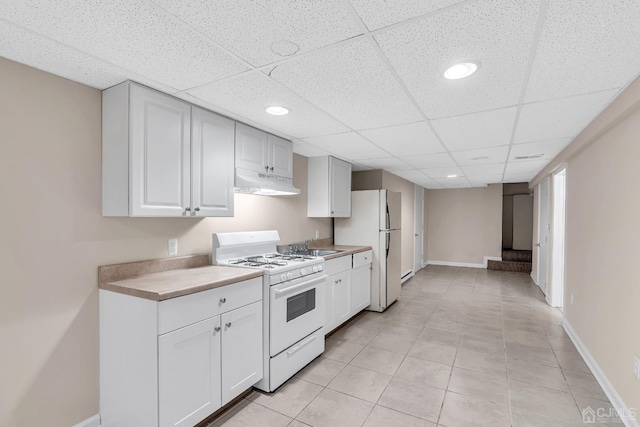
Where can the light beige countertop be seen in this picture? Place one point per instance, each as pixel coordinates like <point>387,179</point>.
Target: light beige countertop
<point>176,283</point>
<point>346,250</point>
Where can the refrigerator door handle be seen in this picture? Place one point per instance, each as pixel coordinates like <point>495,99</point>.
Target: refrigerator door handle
<point>388,236</point>
<point>388,219</point>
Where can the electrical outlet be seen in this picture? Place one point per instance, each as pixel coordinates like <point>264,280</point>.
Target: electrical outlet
<point>571,298</point>
<point>173,247</point>
<point>636,367</point>
<point>317,234</point>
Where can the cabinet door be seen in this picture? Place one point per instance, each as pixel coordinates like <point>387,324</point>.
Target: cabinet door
<point>212,164</point>
<point>189,373</point>
<point>160,149</point>
<point>280,157</point>
<point>339,188</point>
<point>241,350</point>
<point>329,316</point>
<point>342,297</point>
<point>360,288</point>
<point>251,148</point>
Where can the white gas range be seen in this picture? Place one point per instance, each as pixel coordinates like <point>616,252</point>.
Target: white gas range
<point>293,300</point>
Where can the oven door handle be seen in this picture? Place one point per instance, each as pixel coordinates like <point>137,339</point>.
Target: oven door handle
<point>289,289</point>
<point>299,347</point>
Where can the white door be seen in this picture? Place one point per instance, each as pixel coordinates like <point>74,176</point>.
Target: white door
<point>280,156</point>
<point>418,228</point>
<point>189,373</point>
<point>543,234</point>
<point>339,188</point>
<point>160,166</point>
<point>212,165</point>
<point>251,148</point>
<point>556,288</point>
<point>342,296</point>
<point>241,350</point>
<point>360,288</point>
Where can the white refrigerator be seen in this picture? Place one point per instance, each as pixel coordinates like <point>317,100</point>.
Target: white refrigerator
<point>375,221</point>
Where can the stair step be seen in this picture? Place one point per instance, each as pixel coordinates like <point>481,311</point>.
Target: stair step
<point>514,255</point>
<point>516,266</point>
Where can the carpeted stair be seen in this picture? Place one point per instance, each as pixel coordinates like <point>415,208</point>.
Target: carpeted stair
<point>518,261</point>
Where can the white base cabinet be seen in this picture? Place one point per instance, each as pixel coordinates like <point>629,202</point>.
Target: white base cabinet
<point>348,288</point>
<point>175,362</point>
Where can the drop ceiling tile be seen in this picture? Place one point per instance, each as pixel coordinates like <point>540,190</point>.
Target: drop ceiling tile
<point>460,182</point>
<point>307,150</point>
<point>498,34</point>
<point>428,184</point>
<point>586,46</point>
<point>250,93</point>
<point>405,140</point>
<point>349,81</point>
<point>40,52</point>
<point>265,31</point>
<point>388,163</point>
<point>482,156</point>
<point>483,170</point>
<point>484,180</point>
<point>349,145</point>
<point>525,167</point>
<point>381,13</point>
<point>412,175</point>
<point>443,173</point>
<point>357,167</point>
<point>544,149</point>
<point>134,35</point>
<point>430,161</point>
<point>560,118</point>
<point>513,178</point>
<point>478,130</point>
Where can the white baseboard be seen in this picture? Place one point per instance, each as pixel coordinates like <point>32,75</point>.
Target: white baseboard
<point>406,276</point>
<point>534,279</point>
<point>600,376</point>
<point>90,422</point>
<point>465,264</point>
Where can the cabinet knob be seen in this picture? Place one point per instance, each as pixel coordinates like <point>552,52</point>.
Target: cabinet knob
<point>187,209</point>
<point>228,324</point>
<point>197,209</point>
<point>332,212</point>
<point>266,168</point>
<point>271,168</point>
<point>217,329</point>
<point>223,300</point>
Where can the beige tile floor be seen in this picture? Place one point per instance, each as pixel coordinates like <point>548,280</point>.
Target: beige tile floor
<point>461,347</point>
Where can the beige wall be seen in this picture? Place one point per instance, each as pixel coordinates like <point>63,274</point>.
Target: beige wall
<point>407,189</point>
<point>465,225</point>
<point>367,180</point>
<point>56,238</point>
<point>602,236</point>
<point>522,222</point>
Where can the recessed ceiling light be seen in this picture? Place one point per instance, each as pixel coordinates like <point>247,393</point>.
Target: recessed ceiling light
<point>277,110</point>
<point>461,70</point>
<point>452,176</point>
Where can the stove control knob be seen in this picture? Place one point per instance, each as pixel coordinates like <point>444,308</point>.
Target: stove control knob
<point>283,277</point>
<point>303,271</point>
<point>320,267</point>
<point>289,276</point>
<point>315,268</point>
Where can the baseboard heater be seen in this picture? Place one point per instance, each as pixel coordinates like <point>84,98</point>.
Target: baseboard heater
<point>406,276</point>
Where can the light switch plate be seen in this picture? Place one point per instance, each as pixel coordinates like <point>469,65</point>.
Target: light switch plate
<point>173,247</point>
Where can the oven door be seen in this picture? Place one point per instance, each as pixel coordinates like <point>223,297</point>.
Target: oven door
<point>296,310</point>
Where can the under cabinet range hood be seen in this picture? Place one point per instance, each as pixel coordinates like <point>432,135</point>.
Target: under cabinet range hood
<point>265,184</point>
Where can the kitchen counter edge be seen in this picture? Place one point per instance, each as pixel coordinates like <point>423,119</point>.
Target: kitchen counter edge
<point>347,250</point>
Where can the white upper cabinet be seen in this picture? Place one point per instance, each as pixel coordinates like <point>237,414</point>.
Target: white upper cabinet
<point>261,152</point>
<point>212,153</point>
<point>160,158</point>
<point>329,186</point>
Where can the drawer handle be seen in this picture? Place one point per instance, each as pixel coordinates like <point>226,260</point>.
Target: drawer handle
<point>298,347</point>
<point>217,329</point>
<point>223,300</point>
<point>228,325</point>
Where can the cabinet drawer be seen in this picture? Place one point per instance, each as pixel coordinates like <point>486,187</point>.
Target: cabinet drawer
<point>362,258</point>
<point>337,265</point>
<point>179,312</point>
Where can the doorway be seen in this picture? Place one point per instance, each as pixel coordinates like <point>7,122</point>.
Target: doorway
<point>543,235</point>
<point>418,229</point>
<point>555,297</point>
